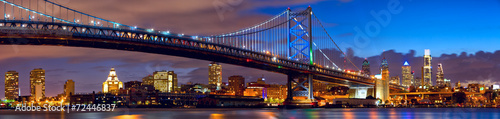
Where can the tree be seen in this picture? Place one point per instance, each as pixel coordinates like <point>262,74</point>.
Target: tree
<point>459,97</point>
<point>370,97</point>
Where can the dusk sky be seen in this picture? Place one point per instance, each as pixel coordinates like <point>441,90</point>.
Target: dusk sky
<point>464,35</point>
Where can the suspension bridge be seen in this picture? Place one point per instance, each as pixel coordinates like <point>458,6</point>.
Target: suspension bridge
<point>294,43</point>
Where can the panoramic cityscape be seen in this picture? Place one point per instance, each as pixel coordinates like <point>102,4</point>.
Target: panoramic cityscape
<point>249,59</point>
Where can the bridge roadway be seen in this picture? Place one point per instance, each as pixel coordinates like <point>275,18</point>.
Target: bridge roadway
<point>63,34</point>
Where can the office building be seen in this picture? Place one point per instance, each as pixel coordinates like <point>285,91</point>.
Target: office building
<point>112,84</point>
<point>440,76</point>
<point>237,85</point>
<point>366,67</point>
<point>11,85</point>
<point>215,74</point>
<point>165,81</point>
<point>69,88</point>
<point>37,83</point>
<point>407,74</point>
<point>427,70</point>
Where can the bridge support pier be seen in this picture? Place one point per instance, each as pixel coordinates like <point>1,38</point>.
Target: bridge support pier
<point>300,92</point>
<point>360,92</point>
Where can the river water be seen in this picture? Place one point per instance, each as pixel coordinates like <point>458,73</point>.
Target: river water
<point>239,113</point>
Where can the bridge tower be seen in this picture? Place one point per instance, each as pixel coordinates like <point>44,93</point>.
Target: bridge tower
<point>299,42</point>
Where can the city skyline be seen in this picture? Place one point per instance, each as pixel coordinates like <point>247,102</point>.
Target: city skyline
<point>62,60</point>
<point>393,68</point>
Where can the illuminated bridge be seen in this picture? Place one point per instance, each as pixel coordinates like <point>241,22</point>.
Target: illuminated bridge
<point>294,43</point>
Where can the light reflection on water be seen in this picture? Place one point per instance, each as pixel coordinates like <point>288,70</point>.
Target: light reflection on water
<point>139,116</point>
<point>237,113</point>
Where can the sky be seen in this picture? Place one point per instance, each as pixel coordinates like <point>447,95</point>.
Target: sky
<point>463,35</point>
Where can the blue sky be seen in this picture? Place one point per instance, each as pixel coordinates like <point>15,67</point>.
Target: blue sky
<point>442,26</point>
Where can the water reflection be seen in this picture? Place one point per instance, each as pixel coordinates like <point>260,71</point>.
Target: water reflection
<point>216,116</point>
<point>356,113</point>
<point>138,116</point>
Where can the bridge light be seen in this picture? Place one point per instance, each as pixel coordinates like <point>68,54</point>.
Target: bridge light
<point>8,15</point>
<point>92,21</point>
<point>274,58</point>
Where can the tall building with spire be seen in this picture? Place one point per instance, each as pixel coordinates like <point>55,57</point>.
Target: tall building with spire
<point>382,85</point>
<point>366,67</point>
<point>11,85</point>
<point>407,75</point>
<point>427,70</point>
<point>37,83</point>
<point>112,84</point>
<point>440,76</point>
<point>215,74</point>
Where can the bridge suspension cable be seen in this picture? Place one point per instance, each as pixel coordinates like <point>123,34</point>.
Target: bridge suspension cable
<point>331,39</point>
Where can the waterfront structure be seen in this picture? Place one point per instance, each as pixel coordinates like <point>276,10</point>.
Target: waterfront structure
<point>395,80</point>
<point>440,76</point>
<point>475,87</point>
<point>236,85</point>
<point>427,70</point>
<point>276,92</point>
<point>407,74</point>
<point>366,67</point>
<point>11,85</point>
<point>215,74</point>
<point>69,88</point>
<point>382,83</point>
<point>112,84</point>
<point>37,83</point>
<point>165,81</point>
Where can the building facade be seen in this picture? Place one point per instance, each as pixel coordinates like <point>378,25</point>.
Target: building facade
<point>37,83</point>
<point>148,80</point>
<point>69,88</point>
<point>215,74</point>
<point>407,74</point>
<point>427,70</point>
<point>165,81</point>
<point>11,85</point>
<point>382,84</point>
<point>366,67</point>
<point>112,84</point>
<point>237,85</point>
<point>395,80</point>
<point>277,92</point>
<point>440,76</point>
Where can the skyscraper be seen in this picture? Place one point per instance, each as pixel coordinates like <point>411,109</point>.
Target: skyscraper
<point>215,74</point>
<point>11,85</point>
<point>447,83</point>
<point>165,81</point>
<point>69,88</point>
<point>395,80</point>
<point>382,85</point>
<point>427,70</point>
<point>148,80</point>
<point>407,75</point>
<point>37,83</point>
<point>366,67</point>
<point>112,84</point>
<point>440,76</point>
<point>237,84</point>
